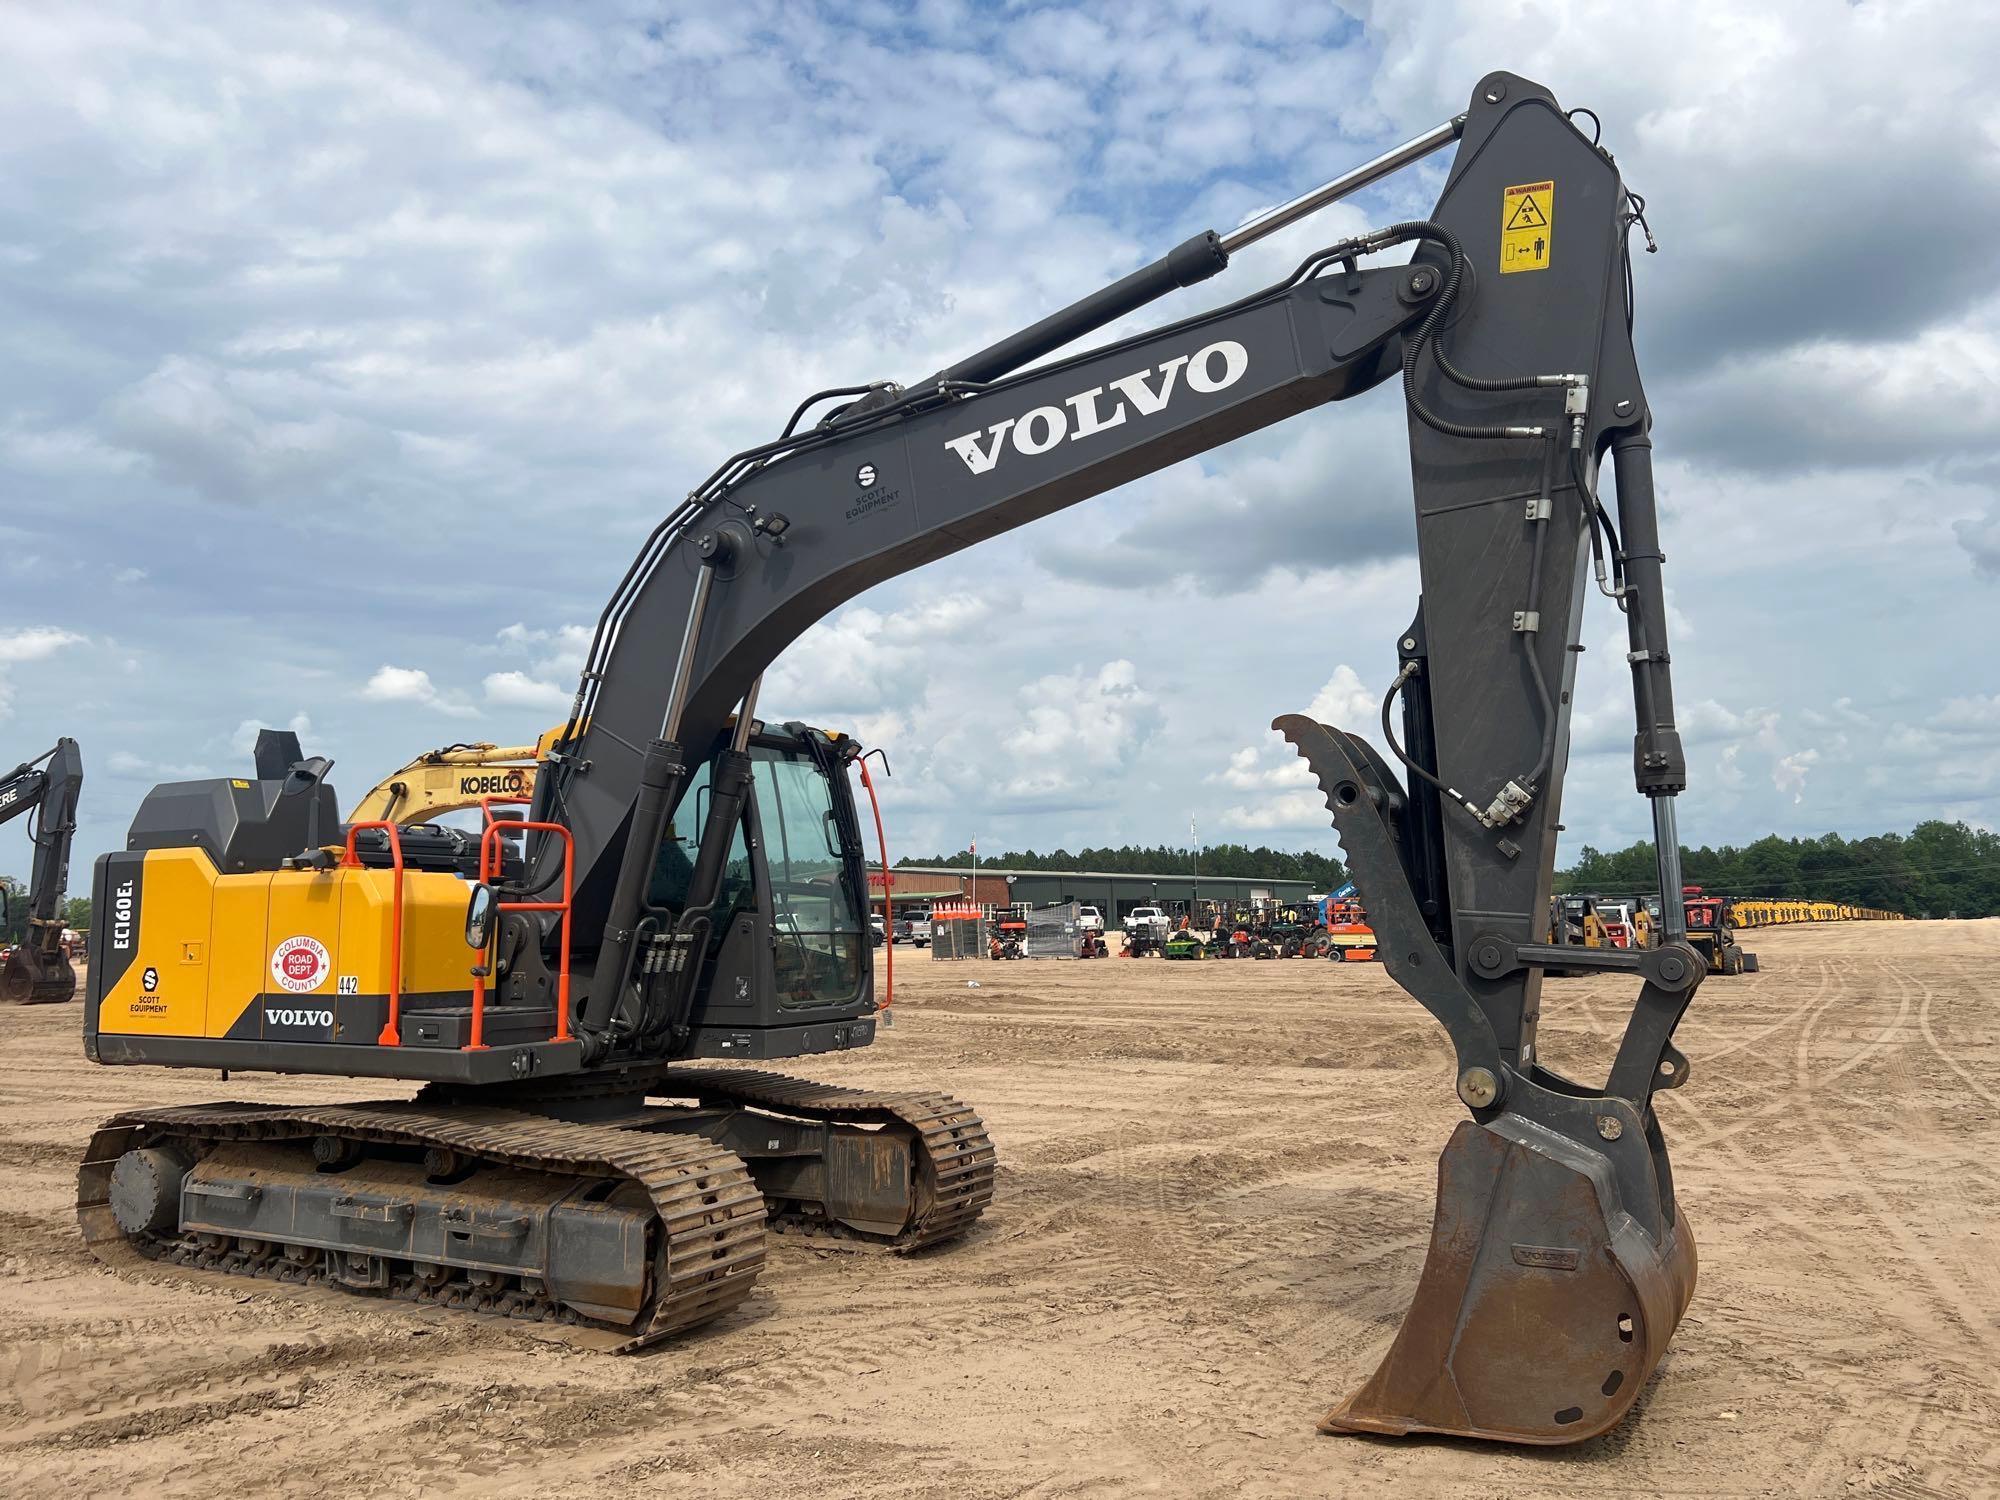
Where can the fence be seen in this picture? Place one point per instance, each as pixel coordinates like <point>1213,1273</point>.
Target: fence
<point>1053,931</point>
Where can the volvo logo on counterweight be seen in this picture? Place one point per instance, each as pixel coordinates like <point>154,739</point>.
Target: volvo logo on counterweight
<point>1215,367</point>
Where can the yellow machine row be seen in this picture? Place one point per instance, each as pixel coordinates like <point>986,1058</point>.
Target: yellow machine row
<point>1776,913</point>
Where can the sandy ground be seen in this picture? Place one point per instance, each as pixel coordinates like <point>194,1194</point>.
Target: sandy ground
<point>1214,1201</point>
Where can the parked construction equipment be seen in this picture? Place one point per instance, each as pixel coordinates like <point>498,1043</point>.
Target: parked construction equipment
<point>1349,937</point>
<point>1711,929</point>
<point>692,883</point>
<point>37,970</point>
<point>1757,913</point>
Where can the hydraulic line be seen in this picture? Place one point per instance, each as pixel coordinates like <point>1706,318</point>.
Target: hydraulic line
<point>1451,793</point>
<point>1530,632</point>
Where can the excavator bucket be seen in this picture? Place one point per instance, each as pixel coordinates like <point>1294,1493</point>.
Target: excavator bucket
<point>28,977</point>
<point>1542,1309</point>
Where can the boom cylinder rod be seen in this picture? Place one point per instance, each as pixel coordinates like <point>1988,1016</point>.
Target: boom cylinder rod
<point>1667,855</point>
<point>1187,263</point>
<point>739,741</point>
<point>677,697</point>
<point>1195,260</point>
<point>1659,765</point>
<point>1343,186</point>
<point>662,775</point>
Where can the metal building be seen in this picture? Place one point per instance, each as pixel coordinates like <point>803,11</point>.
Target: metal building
<point>1113,895</point>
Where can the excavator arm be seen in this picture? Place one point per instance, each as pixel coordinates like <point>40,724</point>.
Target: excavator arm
<point>38,972</point>
<point>1560,1264</point>
<point>452,779</point>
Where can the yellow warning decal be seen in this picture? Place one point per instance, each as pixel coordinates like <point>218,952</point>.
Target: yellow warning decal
<point>1527,226</point>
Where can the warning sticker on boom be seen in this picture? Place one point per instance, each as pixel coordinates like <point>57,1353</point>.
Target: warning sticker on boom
<point>1527,226</point>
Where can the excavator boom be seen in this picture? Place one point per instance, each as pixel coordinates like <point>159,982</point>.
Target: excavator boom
<point>452,779</point>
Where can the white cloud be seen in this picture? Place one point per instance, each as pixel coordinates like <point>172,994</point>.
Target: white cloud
<point>1789,774</point>
<point>1346,702</point>
<point>35,643</point>
<point>1289,799</point>
<point>392,684</point>
<point>1075,725</point>
<point>226,435</point>
<point>1290,812</point>
<point>1250,769</point>
<point>1977,713</point>
<point>518,690</point>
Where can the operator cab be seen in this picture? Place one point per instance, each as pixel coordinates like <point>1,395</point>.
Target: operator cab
<point>789,944</point>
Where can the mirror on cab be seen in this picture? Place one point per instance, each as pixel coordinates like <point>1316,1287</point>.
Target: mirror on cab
<point>482,907</point>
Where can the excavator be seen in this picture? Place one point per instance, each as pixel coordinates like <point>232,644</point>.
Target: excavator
<point>688,883</point>
<point>454,778</point>
<point>37,971</point>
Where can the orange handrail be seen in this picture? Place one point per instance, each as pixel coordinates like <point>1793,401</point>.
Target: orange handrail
<point>489,867</point>
<point>389,1036</point>
<point>888,899</point>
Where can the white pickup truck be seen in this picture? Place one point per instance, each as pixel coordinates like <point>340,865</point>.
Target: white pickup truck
<point>1090,919</point>
<point>1140,917</point>
<point>914,929</point>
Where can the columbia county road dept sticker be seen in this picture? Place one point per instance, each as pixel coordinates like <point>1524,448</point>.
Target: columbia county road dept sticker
<point>300,964</point>
<point>1527,227</point>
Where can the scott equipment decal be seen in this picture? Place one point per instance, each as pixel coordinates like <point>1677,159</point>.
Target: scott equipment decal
<point>300,964</point>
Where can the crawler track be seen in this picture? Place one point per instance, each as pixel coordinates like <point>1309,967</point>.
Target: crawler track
<point>709,1238</point>
<point>954,1158</point>
<point>954,1161</point>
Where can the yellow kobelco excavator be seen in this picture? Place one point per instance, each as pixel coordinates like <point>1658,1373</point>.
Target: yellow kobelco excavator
<point>453,779</point>
<point>689,885</point>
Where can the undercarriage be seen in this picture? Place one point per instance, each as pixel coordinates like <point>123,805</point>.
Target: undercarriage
<point>596,1208</point>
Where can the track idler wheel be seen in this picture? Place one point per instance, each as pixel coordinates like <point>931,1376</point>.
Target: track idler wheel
<point>1543,1308</point>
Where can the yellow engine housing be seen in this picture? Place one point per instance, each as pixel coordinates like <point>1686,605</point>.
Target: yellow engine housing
<point>192,952</point>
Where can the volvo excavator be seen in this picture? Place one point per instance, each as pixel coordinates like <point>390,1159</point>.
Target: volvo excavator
<point>37,971</point>
<point>688,885</point>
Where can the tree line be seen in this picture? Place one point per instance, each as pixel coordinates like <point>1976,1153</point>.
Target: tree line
<point>14,925</point>
<point>1937,869</point>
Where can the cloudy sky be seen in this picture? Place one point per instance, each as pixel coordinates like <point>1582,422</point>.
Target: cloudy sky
<point>348,356</point>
